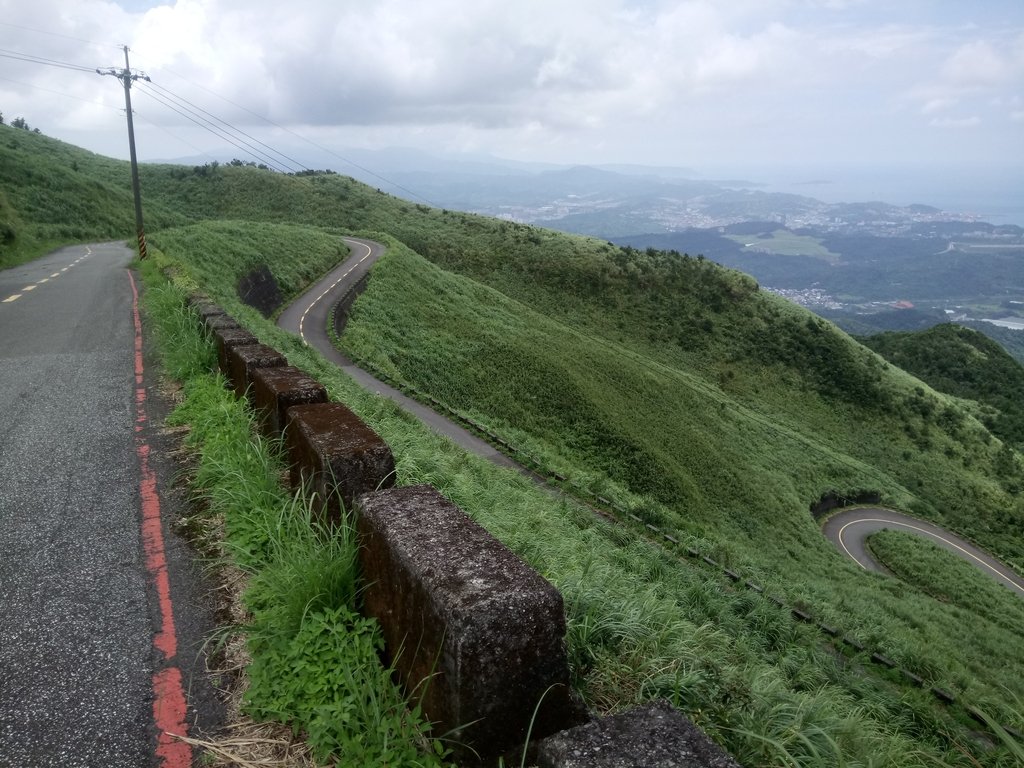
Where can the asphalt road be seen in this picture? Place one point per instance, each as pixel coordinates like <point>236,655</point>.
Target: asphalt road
<point>850,529</point>
<point>307,316</point>
<point>86,662</point>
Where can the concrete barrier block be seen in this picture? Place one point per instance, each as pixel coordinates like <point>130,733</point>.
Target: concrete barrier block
<point>474,632</point>
<point>653,735</point>
<point>227,339</point>
<point>915,679</point>
<point>246,359</point>
<point>219,322</point>
<point>337,453</point>
<point>943,695</point>
<point>275,390</point>
<point>885,661</point>
<point>205,309</point>
<point>855,644</point>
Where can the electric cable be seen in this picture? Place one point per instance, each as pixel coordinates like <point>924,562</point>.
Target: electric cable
<point>297,135</point>
<point>18,56</point>
<point>180,99</point>
<point>96,102</point>
<point>57,34</point>
<point>217,131</point>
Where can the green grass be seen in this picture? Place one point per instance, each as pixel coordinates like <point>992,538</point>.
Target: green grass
<point>642,625</point>
<point>589,408</point>
<point>674,387</point>
<point>315,660</point>
<point>948,578</point>
<point>966,364</point>
<point>787,243</point>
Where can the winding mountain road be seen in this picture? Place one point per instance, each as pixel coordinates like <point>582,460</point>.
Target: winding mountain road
<point>308,316</point>
<point>850,529</point>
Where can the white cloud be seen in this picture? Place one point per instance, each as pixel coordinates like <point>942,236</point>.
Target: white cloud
<point>956,122</point>
<point>938,105</point>
<point>617,79</point>
<point>977,63</point>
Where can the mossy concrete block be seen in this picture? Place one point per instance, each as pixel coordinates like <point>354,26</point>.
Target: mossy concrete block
<point>227,339</point>
<point>334,451</point>
<point>654,735</point>
<point>275,390</point>
<point>475,633</point>
<point>219,322</point>
<point>206,309</point>
<point>246,359</point>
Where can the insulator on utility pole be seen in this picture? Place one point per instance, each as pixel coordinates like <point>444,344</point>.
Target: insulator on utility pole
<point>127,78</point>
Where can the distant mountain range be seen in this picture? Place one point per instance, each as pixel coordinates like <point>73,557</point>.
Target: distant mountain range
<point>608,201</point>
<point>867,265</point>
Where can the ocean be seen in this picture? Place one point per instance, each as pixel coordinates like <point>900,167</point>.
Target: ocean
<point>994,194</point>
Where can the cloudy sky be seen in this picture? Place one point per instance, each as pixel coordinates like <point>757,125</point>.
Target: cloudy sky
<point>703,84</point>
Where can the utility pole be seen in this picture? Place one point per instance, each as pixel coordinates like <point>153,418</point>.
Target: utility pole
<point>127,78</point>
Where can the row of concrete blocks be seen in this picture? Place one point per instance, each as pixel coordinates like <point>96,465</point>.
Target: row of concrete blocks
<point>475,634</point>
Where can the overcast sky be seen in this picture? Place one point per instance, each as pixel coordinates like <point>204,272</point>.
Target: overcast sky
<point>704,84</point>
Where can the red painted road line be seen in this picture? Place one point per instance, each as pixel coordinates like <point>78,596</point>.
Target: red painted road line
<point>169,709</point>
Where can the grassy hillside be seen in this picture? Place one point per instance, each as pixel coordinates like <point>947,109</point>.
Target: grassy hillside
<point>967,364</point>
<point>52,193</point>
<point>683,393</point>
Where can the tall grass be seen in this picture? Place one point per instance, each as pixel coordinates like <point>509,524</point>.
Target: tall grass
<point>948,578</point>
<point>789,408</point>
<point>644,625</point>
<point>315,660</point>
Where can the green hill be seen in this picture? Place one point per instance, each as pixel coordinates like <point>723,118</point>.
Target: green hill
<point>674,388</point>
<point>967,364</point>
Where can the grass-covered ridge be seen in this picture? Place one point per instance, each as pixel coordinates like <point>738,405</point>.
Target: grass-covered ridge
<point>967,364</point>
<point>641,624</point>
<point>685,393</point>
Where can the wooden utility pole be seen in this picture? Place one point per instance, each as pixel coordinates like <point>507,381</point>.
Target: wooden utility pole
<point>127,78</point>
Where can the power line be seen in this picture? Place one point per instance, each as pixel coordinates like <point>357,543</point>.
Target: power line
<point>59,93</point>
<point>57,34</point>
<point>305,139</point>
<point>174,136</point>
<point>197,110</point>
<point>282,162</point>
<point>221,133</point>
<point>18,56</point>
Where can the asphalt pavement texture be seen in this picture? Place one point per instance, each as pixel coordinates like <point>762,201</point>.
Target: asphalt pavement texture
<point>850,529</point>
<point>77,607</point>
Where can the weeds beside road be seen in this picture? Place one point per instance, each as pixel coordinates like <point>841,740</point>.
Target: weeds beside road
<point>640,626</point>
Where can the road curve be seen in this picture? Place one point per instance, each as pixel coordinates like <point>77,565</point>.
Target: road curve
<point>308,316</point>
<point>850,529</point>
